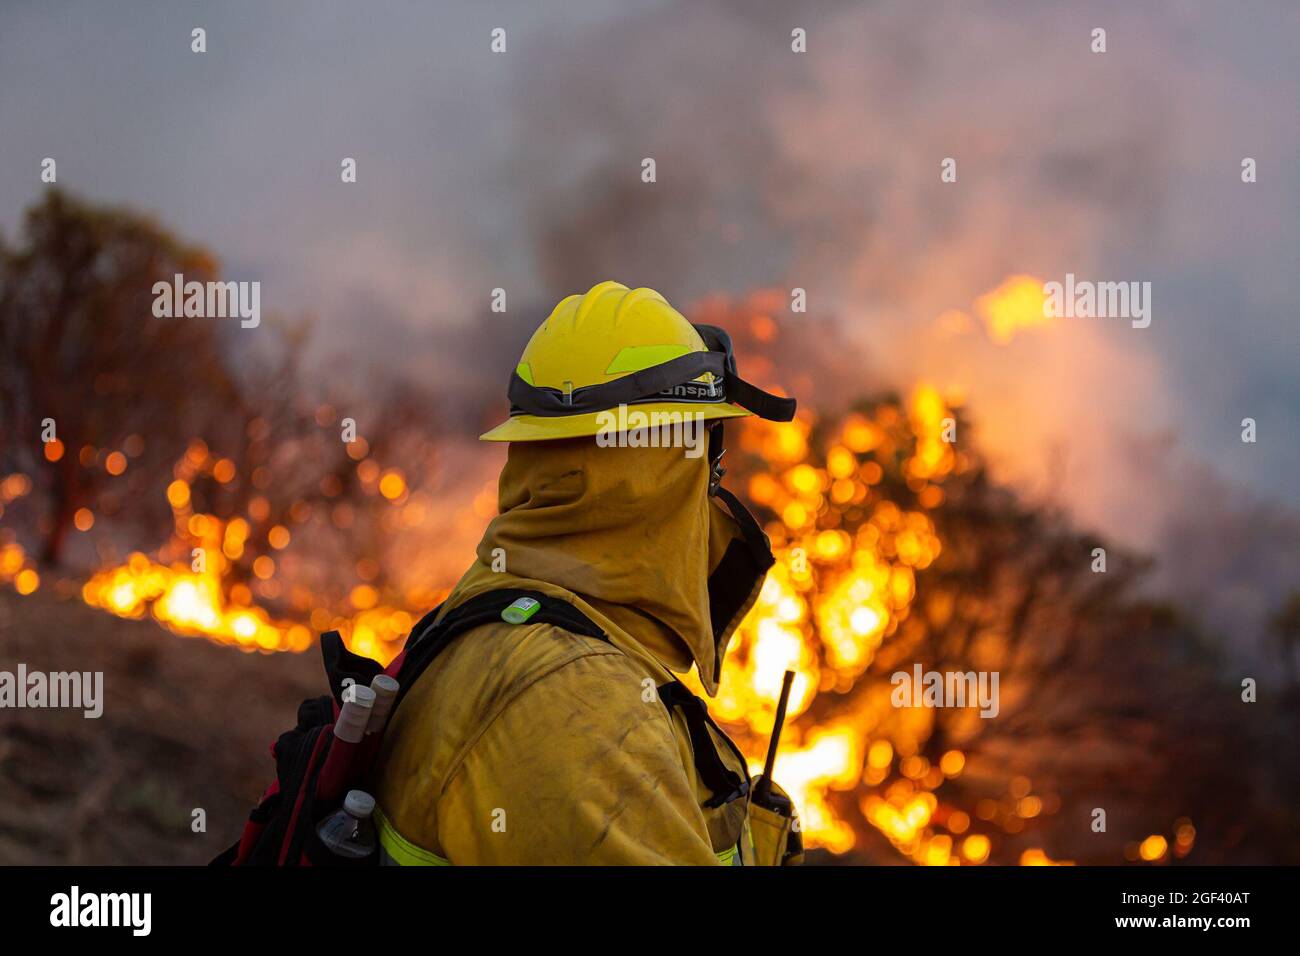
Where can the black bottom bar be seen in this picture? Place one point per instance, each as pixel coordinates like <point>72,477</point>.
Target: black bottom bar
<point>939,906</point>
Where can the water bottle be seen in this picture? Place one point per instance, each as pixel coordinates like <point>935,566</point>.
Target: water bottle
<point>343,762</point>
<point>349,832</point>
<point>385,689</point>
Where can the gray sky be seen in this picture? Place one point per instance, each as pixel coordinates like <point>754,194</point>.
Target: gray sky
<point>520,170</point>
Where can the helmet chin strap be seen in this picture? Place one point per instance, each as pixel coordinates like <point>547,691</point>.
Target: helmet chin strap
<point>716,451</point>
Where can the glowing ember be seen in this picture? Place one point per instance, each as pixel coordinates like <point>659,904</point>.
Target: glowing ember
<point>16,569</point>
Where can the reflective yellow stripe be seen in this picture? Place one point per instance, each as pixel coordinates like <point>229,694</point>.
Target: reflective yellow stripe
<point>402,851</point>
<point>729,856</point>
<point>635,358</point>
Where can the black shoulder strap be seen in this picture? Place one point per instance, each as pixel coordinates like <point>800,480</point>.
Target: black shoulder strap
<point>431,636</point>
<point>724,783</point>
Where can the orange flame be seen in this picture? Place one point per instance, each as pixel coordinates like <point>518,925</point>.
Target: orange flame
<point>1015,305</point>
<point>830,603</point>
<point>202,600</point>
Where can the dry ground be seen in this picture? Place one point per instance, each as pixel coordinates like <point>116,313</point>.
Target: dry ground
<point>186,724</point>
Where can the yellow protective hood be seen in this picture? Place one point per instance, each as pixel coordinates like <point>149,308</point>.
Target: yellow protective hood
<point>634,533</point>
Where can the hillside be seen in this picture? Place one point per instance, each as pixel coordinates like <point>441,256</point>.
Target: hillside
<point>186,724</point>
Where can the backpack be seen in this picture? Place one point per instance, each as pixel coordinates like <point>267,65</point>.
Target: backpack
<point>309,785</point>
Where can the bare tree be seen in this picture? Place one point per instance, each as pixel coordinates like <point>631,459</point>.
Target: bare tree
<point>79,344</point>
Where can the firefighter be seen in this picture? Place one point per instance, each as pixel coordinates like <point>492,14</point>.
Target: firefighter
<point>535,743</point>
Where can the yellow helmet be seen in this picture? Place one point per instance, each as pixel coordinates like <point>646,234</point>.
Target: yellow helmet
<point>619,346</point>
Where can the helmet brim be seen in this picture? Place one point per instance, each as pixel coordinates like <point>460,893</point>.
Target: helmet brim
<point>544,428</point>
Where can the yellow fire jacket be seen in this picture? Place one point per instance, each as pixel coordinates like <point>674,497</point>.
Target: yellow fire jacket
<point>529,744</point>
